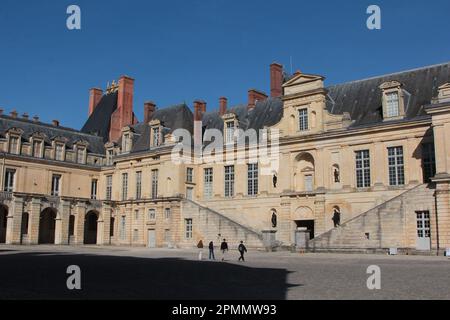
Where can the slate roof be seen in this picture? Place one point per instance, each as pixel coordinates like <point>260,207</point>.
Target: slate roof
<point>29,127</point>
<point>171,118</point>
<point>99,122</point>
<point>362,98</point>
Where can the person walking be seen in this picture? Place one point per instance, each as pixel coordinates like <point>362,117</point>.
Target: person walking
<point>224,248</point>
<point>211,251</point>
<point>200,250</point>
<point>242,250</point>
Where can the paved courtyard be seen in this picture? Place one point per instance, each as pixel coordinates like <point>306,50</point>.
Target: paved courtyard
<point>39,272</point>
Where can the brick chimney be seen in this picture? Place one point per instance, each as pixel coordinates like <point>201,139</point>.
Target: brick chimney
<point>149,110</point>
<point>25,116</point>
<point>199,110</point>
<point>95,95</point>
<point>13,114</point>
<point>254,96</point>
<point>223,102</point>
<point>276,80</point>
<point>55,123</point>
<point>123,116</point>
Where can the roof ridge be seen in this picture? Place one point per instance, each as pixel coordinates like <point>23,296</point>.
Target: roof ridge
<point>391,74</point>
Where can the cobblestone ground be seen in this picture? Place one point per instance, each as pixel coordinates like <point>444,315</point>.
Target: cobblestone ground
<point>39,272</point>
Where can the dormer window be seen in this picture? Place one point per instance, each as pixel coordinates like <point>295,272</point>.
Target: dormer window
<point>392,104</point>
<point>14,145</point>
<point>303,120</point>
<point>37,148</point>
<point>126,143</point>
<point>81,155</point>
<point>393,100</point>
<point>109,157</point>
<point>156,134</point>
<point>59,152</point>
<point>230,129</point>
<point>156,137</point>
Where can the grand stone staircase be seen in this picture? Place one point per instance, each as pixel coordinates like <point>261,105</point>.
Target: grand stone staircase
<point>210,223</point>
<point>389,225</point>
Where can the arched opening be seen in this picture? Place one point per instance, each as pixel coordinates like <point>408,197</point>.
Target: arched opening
<point>303,218</point>
<point>3,222</point>
<point>111,227</point>
<point>304,172</point>
<point>47,226</point>
<point>90,228</point>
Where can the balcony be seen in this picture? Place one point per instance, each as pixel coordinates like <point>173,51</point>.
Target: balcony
<point>5,196</point>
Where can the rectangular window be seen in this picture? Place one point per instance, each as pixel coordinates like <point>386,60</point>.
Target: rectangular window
<point>303,119</point>
<point>229,181</point>
<point>124,186</point>
<point>9,180</point>
<point>188,226</point>
<point>392,105</point>
<point>189,193</point>
<point>167,213</point>
<point>423,224</point>
<point>14,145</point>
<point>309,185</point>
<point>208,183</point>
<point>59,152</point>
<point>135,235</point>
<point>428,161</point>
<point>81,155</point>
<point>156,137</point>
<point>37,149</point>
<point>230,132</point>
<point>56,185</point>
<point>138,185</point>
<point>109,157</point>
<point>122,227</point>
<point>108,187</point>
<point>94,184</point>
<point>363,169</point>
<point>151,214</point>
<point>126,143</point>
<point>155,174</point>
<point>190,175</point>
<point>396,166</point>
<point>167,236</point>
<point>252,179</point>
<point>136,214</point>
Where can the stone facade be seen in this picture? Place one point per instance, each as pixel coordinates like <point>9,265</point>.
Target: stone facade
<point>370,155</point>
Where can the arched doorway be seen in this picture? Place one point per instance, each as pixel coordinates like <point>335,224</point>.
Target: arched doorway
<point>303,217</point>
<point>47,226</point>
<point>90,228</point>
<point>3,223</point>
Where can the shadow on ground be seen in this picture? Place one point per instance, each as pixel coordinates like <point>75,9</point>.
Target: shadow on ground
<point>42,275</point>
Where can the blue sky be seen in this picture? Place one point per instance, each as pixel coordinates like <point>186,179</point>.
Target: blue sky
<point>182,50</point>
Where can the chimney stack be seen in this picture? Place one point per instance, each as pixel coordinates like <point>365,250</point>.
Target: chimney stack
<point>95,95</point>
<point>13,114</point>
<point>276,80</point>
<point>254,96</point>
<point>123,116</point>
<point>36,119</point>
<point>199,110</point>
<point>223,102</point>
<point>25,116</point>
<point>1,112</point>
<point>55,123</point>
<point>149,110</point>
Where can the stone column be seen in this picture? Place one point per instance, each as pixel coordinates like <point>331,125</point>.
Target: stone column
<point>320,215</point>
<point>34,219</point>
<point>62,223</point>
<point>443,213</point>
<point>78,231</point>
<point>14,224</point>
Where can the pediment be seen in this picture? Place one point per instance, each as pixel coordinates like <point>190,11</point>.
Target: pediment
<point>303,78</point>
<point>390,84</point>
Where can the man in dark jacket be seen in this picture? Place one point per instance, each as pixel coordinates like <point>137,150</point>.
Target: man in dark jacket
<point>224,248</point>
<point>336,218</point>
<point>242,250</point>
<point>211,251</point>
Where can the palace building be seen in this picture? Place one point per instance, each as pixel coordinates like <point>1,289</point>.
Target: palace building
<point>372,152</point>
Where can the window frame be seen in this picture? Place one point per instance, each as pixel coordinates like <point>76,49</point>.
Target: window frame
<point>252,179</point>
<point>363,172</point>
<point>396,166</point>
<point>303,119</point>
<point>208,183</point>
<point>229,180</point>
